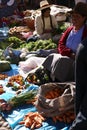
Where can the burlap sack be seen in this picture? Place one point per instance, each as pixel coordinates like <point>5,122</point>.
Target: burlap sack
<point>56,106</point>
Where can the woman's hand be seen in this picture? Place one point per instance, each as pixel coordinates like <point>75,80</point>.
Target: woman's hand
<point>72,56</point>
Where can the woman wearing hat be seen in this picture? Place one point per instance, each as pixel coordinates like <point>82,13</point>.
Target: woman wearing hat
<point>45,23</point>
<point>61,65</point>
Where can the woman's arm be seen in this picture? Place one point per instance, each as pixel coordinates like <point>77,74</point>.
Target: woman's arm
<point>62,49</point>
<point>38,25</point>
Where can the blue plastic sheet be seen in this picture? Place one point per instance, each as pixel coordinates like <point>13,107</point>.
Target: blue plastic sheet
<point>16,115</point>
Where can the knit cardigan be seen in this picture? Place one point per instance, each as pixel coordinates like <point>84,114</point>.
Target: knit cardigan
<point>62,49</point>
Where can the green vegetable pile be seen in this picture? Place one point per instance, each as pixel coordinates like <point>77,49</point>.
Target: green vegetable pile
<point>22,98</point>
<point>39,44</point>
<point>8,41</point>
<point>62,27</point>
<point>1,54</point>
<point>31,46</point>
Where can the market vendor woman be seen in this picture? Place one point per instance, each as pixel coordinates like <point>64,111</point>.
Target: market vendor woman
<point>45,23</point>
<point>62,66</point>
<point>7,7</point>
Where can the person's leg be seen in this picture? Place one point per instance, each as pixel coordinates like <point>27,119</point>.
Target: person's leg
<point>80,122</point>
<point>81,74</point>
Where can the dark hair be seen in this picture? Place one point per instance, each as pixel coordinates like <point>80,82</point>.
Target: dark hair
<point>44,10</point>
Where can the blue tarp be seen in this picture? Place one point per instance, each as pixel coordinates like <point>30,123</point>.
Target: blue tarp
<point>17,114</point>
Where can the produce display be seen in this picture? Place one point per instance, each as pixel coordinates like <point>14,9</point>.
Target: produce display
<point>32,120</point>
<point>19,85</point>
<point>39,44</point>
<point>40,76</point>
<point>31,46</point>
<point>18,29</point>
<point>54,93</point>
<point>67,117</point>
<point>16,78</point>
<point>22,98</point>
<point>3,76</point>
<point>18,100</point>
<point>4,106</point>
<point>12,41</point>
<point>1,54</point>
<point>1,89</point>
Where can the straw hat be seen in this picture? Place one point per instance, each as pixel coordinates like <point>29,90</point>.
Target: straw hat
<point>80,8</point>
<point>44,4</point>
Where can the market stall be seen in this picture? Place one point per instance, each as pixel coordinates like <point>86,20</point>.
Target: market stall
<point>13,83</point>
<point>16,114</point>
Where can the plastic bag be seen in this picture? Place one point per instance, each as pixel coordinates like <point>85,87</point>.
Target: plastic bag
<point>30,64</point>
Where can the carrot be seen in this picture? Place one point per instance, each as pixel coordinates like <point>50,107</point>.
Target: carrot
<point>27,122</point>
<point>33,126</point>
<point>38,125</point>
<point>32,120</point>
<point>51,94</point>
<point>29,114</point>
<point>48,97</point>
<point>38,119</point>
<point>54,93</point>
<point>41,117</point>
<point>21,122</point>
<point>67,117</point>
